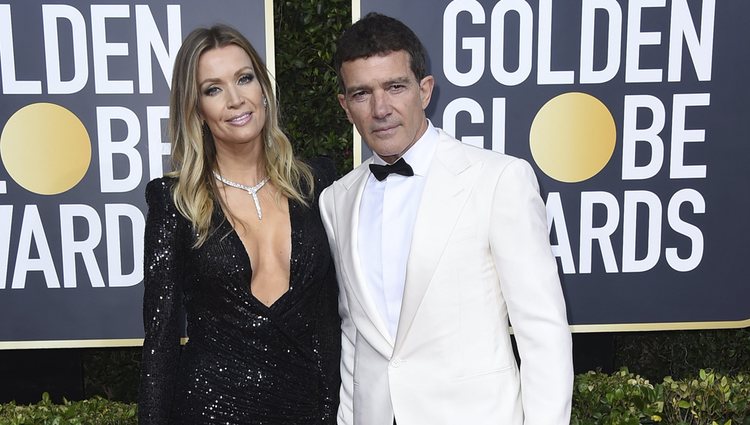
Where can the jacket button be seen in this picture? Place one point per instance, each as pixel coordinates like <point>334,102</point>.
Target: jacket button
<point>396,362</point>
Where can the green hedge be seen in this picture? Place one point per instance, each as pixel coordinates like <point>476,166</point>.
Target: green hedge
<point>680,353</point>
<point>96,411</point>
<point>622,398</point>
<point>305,35</point>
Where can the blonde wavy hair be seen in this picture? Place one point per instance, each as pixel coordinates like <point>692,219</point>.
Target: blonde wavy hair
<point>193,149</point>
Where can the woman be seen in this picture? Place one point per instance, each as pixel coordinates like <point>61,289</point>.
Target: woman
<point>234,237</point>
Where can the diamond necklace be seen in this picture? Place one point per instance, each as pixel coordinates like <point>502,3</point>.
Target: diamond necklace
<point>252,190</point>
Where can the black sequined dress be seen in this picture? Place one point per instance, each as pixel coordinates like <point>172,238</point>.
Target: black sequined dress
<point>244,363</point>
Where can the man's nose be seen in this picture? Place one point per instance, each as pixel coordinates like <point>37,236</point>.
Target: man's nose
<point>381,107</point>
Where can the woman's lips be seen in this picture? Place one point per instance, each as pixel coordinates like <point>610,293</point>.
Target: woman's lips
<point>241,119</point>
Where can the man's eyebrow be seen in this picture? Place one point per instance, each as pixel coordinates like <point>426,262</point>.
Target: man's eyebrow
<point>351,89</point>
<point>398,80</point>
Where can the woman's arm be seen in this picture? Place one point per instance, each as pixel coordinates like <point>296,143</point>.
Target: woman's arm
<point>161,304</point>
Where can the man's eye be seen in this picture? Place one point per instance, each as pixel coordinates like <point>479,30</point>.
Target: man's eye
<point>397,87</point>
<point>358,95</point>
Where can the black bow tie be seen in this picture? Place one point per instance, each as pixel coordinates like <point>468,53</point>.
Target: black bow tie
<point>399,167</point>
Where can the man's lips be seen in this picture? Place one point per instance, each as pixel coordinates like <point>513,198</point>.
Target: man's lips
<point>382,130</point>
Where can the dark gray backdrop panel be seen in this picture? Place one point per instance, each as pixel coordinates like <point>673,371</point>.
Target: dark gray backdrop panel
<point>38,313</point>
<point>717,289</point>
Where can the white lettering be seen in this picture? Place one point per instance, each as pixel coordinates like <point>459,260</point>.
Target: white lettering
<point>556,217</point>
<point>108,148</point>
<point>630,230</point>
<point>545,74</point>
<point>473,44</point>
<point>157,149</point>
<point>8,59</point>
<point>525,42</point>
<point>476,115</point>
<point>85,247</point>
<point>701,50</point>
<point>148,39</point>
<point>51,14</point>
<point>636,39</point>
<point>614,40</point>
<point>113,213</point>
<point>102,50</point>
<point>473,108</point>
<point>498,124</point>
<point>681,136</point>
<point>631,135</point>
<point>33,230</point>
<point>6,219</point>
<point>602,234</point>
<point>693,233</point>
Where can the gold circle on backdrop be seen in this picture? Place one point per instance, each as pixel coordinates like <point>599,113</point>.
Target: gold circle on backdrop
<point>45,148</point>
<point>572,137</point>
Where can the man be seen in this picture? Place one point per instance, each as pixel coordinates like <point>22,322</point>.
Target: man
<point>435,258</point>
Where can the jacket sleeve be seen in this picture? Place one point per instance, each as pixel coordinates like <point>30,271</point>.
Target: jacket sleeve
<point>531,287</point>
<point>348,332</point>
<point>161,304</point>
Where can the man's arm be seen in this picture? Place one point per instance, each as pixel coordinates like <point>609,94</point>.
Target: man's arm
<point>348,332</point>
<point>531,287</point>
<point>345,413</point>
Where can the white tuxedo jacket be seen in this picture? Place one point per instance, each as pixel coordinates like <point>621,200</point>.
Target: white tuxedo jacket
<point>480,254</point>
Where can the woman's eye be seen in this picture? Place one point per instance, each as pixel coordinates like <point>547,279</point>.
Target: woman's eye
<point>246,78</point>
<point>211,91</point>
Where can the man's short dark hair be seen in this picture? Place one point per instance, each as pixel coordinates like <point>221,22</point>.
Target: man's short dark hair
<point>375,35</point>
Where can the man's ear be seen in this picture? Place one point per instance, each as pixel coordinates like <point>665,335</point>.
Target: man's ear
<point>345,107</point>
<point>425,90</point>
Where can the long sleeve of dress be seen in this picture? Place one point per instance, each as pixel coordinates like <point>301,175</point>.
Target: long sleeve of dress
<point>325,174</point>
<point>161,304</point>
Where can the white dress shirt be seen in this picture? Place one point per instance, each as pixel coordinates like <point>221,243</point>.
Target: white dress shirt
<point>387,215</point>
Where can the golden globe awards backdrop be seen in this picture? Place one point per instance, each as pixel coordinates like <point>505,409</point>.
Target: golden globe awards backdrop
<point>635,117</point>
<point>84,107</point>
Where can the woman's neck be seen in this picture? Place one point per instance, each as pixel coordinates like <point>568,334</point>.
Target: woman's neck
<point>245,164</point>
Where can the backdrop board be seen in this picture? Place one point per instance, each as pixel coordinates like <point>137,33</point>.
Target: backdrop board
<point>634,115</point>
<point>85,90</point>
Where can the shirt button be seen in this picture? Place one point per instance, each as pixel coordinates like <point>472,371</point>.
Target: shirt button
<point>396,362</point>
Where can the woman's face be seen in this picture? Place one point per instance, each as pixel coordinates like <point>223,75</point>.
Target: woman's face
<point>230,96</point>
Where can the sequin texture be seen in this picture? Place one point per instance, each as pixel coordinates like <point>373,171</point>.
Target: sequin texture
<point>244,363</point>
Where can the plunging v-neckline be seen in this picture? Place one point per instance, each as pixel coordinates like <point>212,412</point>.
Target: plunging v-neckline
<point>243,249</point>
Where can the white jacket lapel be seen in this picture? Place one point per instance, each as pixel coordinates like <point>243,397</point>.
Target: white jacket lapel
<point>445,194</point>
<point>349,197</point>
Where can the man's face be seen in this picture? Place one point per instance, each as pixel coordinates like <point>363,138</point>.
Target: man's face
<point>386,103</point>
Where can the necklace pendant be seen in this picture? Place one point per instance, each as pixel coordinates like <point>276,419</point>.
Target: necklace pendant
<point>251,190</point>
<point>257,204</point>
